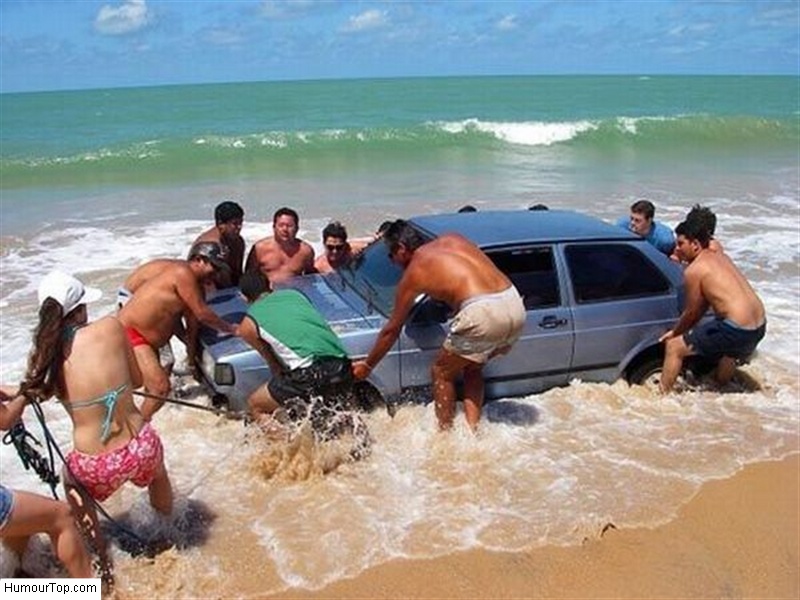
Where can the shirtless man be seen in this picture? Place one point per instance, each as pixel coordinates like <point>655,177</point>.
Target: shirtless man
<point>712,280</point>
<point>282,256</point>
<point>489,319</point>
<point>149,317</point>
<point>134,281</point>
<point>707,220</point>
<point>228,217</point>
<point>338,250</point>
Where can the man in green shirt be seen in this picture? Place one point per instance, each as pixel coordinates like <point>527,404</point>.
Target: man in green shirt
<point>305,356</point>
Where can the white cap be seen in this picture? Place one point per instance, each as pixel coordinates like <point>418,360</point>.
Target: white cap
<point>67,291</point>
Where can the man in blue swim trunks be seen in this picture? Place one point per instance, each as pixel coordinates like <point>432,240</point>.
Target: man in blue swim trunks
<point>712,280</point>
<point>642,222</point>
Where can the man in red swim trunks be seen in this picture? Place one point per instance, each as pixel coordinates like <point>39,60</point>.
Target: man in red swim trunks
<point>149,317</point>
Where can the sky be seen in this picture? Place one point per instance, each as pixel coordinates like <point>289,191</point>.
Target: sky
<point>78,44</point>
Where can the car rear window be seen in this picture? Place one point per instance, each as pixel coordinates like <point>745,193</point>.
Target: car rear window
<point>612,271</point>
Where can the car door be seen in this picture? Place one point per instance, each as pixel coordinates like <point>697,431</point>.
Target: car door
<point>541,357</point>
<point>622,302</point>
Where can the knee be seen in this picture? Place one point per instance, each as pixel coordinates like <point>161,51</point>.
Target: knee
<point>676,348</point>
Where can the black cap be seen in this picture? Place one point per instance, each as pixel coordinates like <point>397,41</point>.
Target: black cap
<point>212,252</point>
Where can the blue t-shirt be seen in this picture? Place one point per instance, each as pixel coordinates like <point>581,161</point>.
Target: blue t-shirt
<point>659,236</point>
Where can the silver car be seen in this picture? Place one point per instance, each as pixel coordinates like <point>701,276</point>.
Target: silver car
<point>597,297</point>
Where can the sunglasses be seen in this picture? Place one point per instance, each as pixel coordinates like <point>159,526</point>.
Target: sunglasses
<point>334,247</point>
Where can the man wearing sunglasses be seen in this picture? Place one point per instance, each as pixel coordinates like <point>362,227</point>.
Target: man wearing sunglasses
<point>338,251</point>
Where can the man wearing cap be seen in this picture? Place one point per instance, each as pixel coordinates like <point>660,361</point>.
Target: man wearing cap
<point>229,217</point>
<point>149,316</point>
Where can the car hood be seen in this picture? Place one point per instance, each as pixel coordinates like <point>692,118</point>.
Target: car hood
<point>343,309</point>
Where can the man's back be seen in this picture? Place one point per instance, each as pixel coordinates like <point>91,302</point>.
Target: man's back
<point>452,269</point>
<point>725,289</point>
<point>158,302</point>
<point>294,329</point>
<point>147,271</point>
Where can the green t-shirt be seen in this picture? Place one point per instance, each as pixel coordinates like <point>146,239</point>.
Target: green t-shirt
<point>294,329</point>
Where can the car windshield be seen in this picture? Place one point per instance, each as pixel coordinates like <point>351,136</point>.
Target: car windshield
<point>374,277</point>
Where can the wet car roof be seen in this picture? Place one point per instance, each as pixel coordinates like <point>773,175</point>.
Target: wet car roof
<point>493,228</point>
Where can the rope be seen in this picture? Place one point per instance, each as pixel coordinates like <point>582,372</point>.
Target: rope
<point>212,409</point>
<point>51,444</point>
<point>30,456</point>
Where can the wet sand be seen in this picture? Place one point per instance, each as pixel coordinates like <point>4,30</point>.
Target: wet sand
<point>737,538</point>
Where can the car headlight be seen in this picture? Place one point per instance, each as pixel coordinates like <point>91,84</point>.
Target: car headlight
<point>224,374</point>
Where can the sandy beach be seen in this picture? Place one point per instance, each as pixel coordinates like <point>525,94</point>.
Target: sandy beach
<point>737,538</point>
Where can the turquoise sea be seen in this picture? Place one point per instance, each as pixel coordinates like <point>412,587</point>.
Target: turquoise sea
<point>98,181</point>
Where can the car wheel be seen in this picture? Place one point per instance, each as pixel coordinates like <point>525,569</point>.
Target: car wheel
<point>647,373</point>
<point>368,398</point>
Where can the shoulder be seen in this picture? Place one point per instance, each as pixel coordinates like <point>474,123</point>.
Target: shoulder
<point>210,235</point>
<point>623,222</point>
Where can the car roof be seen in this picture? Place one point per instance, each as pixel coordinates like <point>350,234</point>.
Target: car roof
<point>511,227</point>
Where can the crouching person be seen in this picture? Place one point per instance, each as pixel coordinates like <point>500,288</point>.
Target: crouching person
<point>311,373</point>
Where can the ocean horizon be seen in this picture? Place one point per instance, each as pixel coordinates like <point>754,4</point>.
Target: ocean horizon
<point>98,181</point>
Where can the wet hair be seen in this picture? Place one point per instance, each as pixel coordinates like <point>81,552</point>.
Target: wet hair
<point>401,232</point>
<point>286,211</point>
<point>383,227</point>
<point>644,207</point>
<point>538,207</point>
<point>46,359</point>
<point>694,230</point>
<point>254,283</point>
<point>705,217</point>
<point>336,230</point>
<point>467,208</point>
<point>228,211</point>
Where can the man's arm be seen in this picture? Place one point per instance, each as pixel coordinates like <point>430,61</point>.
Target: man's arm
<point>189,291</point>
<point>249,333</point>
<point>696,305</point>
<point>251,264</point>
<point>11,406</point>
<point>407,291</point>
<point>308,261</point>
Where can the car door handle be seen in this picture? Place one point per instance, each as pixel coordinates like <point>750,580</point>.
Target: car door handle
<point>551,322</point>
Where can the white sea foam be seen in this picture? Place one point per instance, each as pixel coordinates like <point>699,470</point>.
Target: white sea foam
<point>535,133</point>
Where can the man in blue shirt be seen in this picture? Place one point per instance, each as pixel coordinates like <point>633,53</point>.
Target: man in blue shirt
<point>641,222</point>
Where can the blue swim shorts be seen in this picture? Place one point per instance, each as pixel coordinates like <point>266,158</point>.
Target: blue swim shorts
<point>6,505</point>
<point>722,337</point>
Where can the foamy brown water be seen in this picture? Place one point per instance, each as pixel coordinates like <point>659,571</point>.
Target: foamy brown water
<point>552,468</point>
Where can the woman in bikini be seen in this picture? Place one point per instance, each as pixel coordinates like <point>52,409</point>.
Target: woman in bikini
<point>91,369</point>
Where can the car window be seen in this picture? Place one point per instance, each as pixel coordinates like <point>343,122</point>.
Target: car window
<point>374,277</point>
<point>610,271</point>
<point>533,273</point>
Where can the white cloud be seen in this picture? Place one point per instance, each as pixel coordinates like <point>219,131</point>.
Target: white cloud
<point>690,29</point>
<point>366,21</point>
<point>283,9</point>
<point>130,16</point>
<point>507,23</point>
